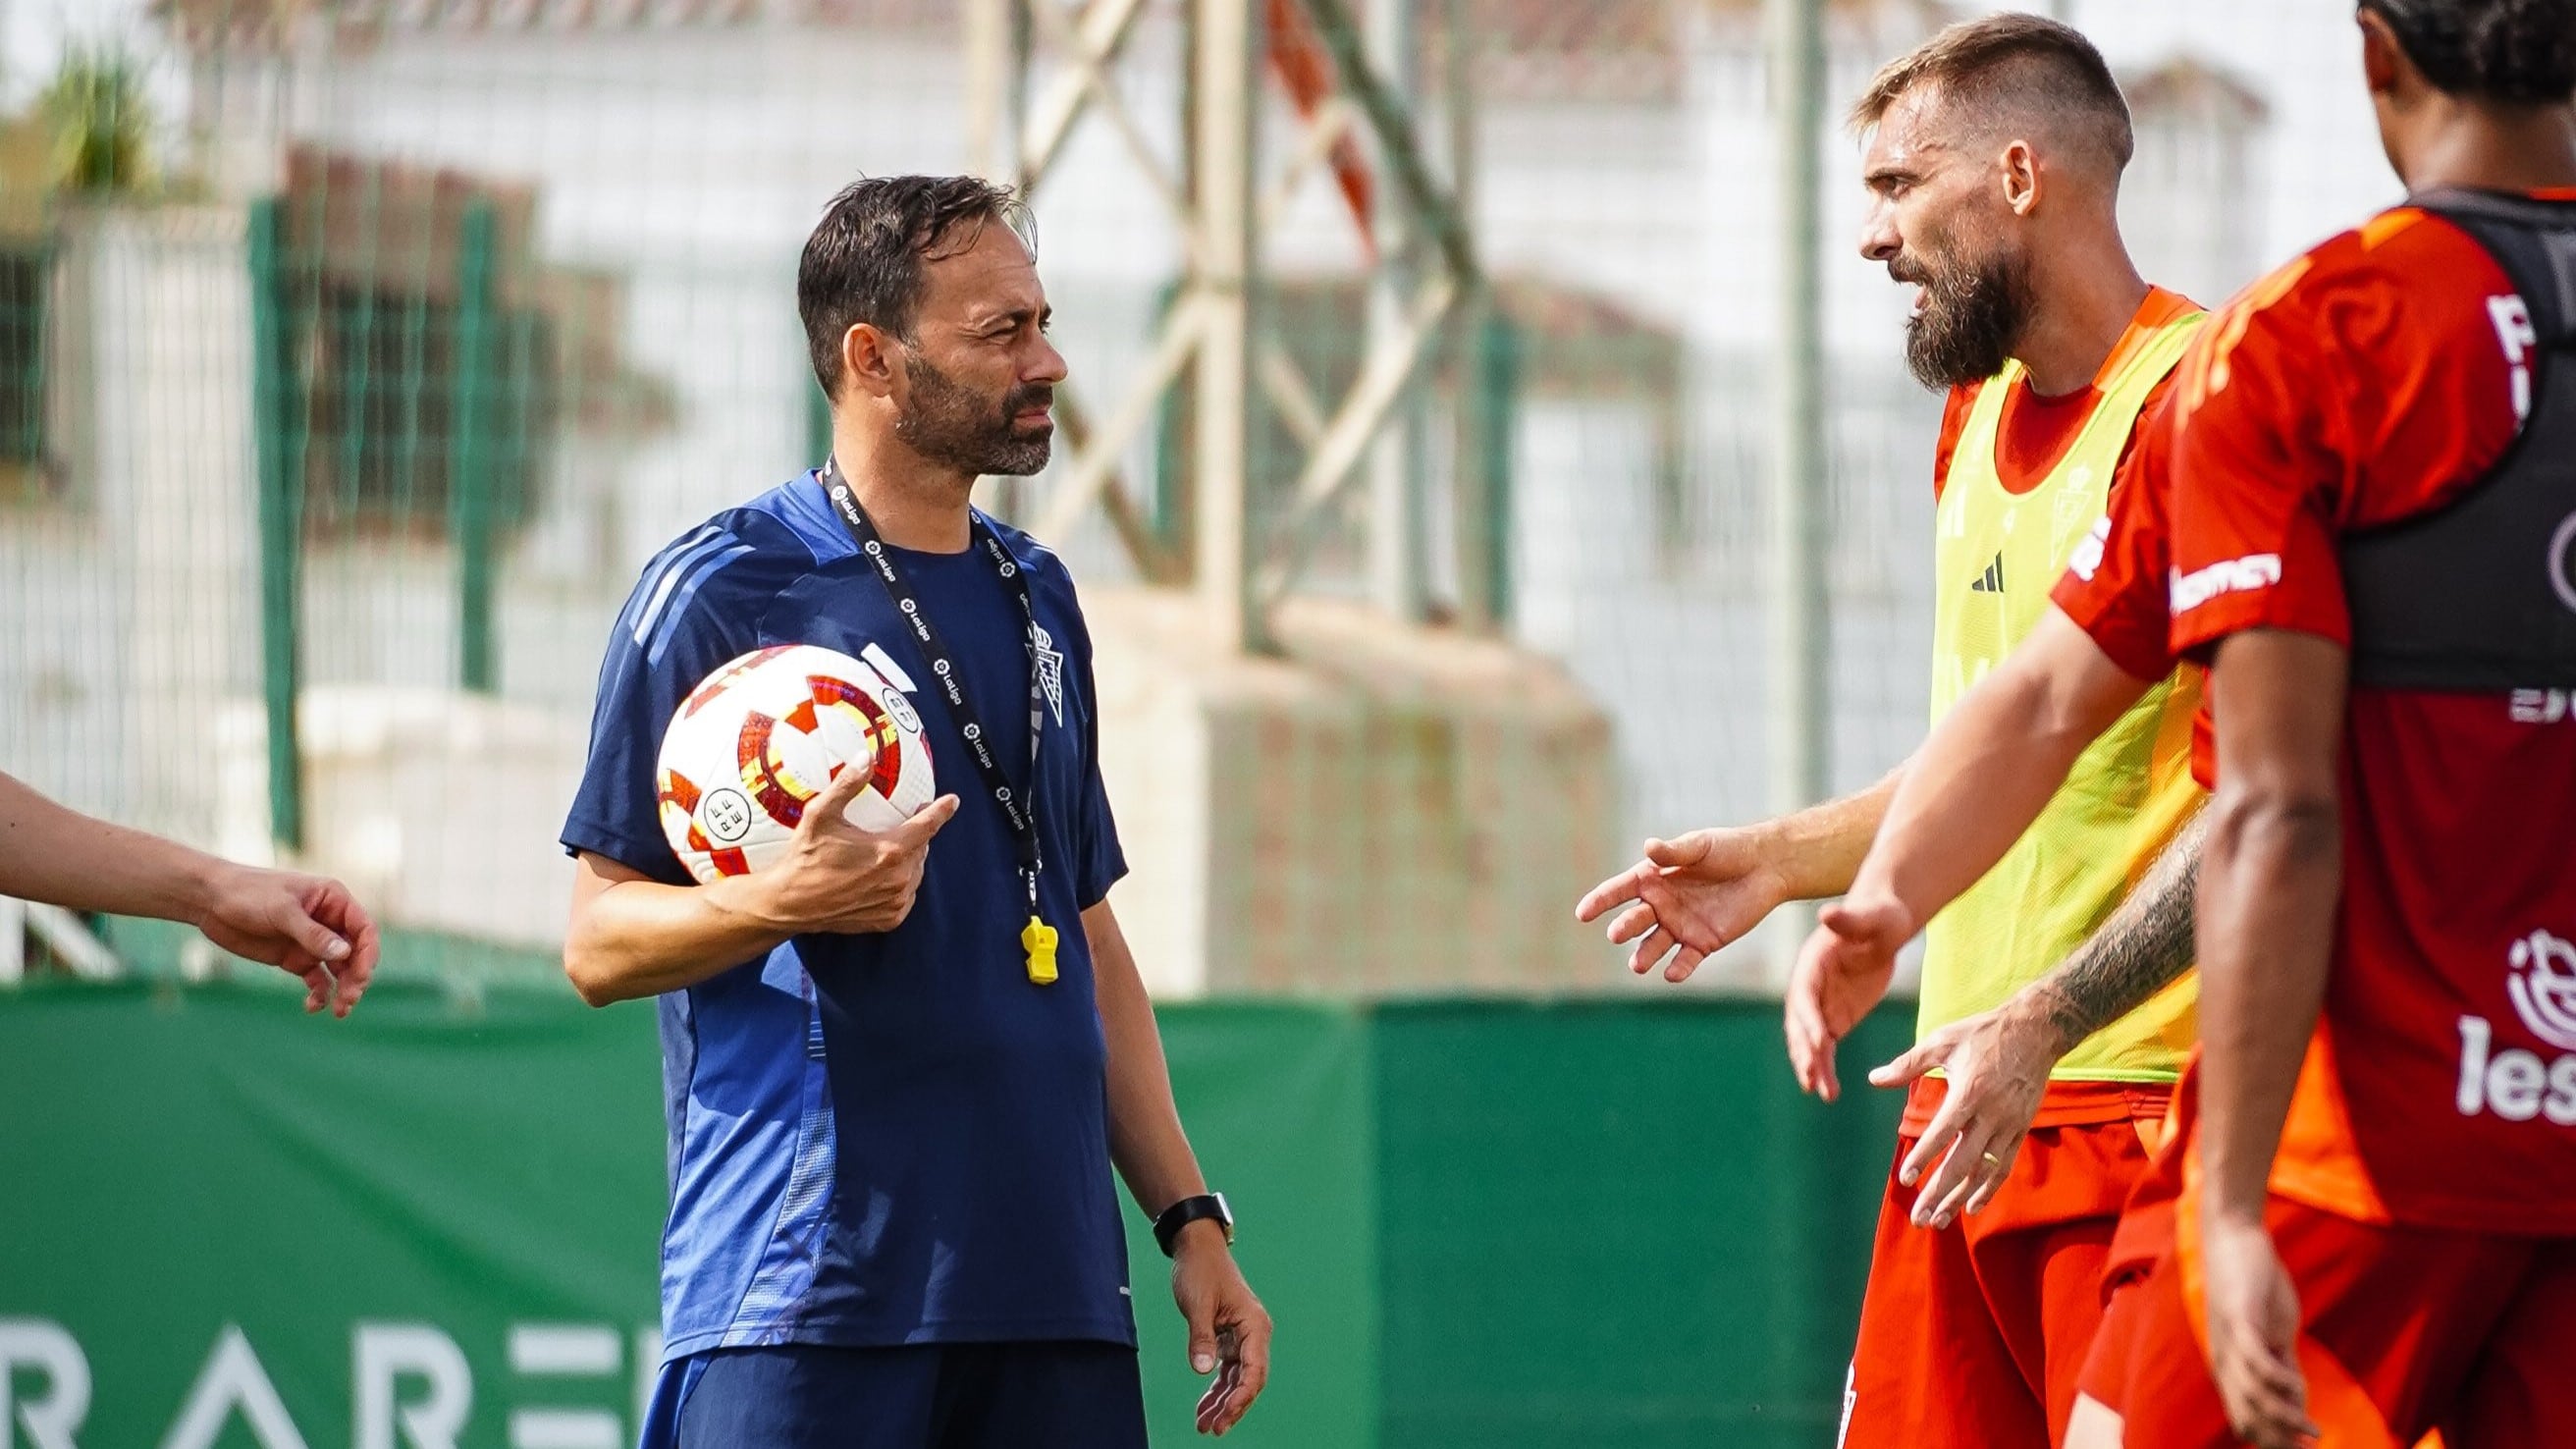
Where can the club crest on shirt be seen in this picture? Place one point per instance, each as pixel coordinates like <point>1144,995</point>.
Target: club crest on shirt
<point>2542,984</point>
<point>1050,666</point>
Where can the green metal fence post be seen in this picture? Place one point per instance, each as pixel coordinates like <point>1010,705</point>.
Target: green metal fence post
<point>1494,397</point>
<point>1801,674</point>
<point>1168,500</point>
<point>469,485</point>
<point>22,434</point>
<point>277,431</point>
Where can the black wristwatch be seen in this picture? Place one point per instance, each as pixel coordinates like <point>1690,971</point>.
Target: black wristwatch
<point>1167,1228</point>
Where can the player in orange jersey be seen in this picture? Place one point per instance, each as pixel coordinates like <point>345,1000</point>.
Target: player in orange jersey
<point>2051,1030</point>
<point>1990,767</point>
<point>2371,489</point>
<point>311,927</point>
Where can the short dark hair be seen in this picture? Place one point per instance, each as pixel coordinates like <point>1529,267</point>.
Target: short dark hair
<point>863,262</point>
<point>2514,52</point>
<point>2011,61</point>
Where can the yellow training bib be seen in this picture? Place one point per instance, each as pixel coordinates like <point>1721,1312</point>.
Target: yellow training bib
<point>1997,556</point>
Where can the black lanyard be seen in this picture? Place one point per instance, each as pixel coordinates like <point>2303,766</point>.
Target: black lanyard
<point>1020,812</point>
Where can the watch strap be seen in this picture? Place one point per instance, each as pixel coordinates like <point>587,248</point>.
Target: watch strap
<point>1210,1206</point>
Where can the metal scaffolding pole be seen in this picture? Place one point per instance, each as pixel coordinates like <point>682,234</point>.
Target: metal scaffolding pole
<point>997,74</point>
<point>1229,43</point>
<point>1800,720</point>
<point>1399,517</point>
<point>1209,350</point>
<point>1482,449</point>
<point>993,74</point>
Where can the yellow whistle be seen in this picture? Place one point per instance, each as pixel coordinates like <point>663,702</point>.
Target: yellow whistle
<point>1039,940</point>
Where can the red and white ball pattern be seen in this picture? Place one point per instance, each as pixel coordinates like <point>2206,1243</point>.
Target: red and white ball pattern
<point>763,735</point>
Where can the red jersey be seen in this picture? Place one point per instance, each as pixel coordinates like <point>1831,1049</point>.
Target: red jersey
<point>2370,381</point>
<point>2115,585</point>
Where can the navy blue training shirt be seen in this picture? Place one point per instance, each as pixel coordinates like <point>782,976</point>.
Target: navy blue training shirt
<point>894,1138</point>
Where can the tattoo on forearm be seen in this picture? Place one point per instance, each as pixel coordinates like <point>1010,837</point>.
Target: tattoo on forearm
<point>2145,944</point>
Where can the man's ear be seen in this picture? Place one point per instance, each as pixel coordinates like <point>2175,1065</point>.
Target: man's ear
<point>871,360</point>
<point>2019,169</point>
<point>2383,61</point>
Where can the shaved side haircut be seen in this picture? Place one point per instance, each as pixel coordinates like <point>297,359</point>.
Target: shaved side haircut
<point>2015,70</point>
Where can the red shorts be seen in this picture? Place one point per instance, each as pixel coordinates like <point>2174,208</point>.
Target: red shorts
<point>1971,1336</point>
<point>2105,1376</point>
<point>2144,1235</point>
<point>2408,1331</point>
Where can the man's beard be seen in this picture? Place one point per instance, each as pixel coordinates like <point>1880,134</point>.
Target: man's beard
<point>946,422</point>
<point>1969,322</point>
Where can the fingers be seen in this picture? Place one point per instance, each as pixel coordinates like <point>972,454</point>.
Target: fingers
<point>1651,950</point>
<point>1711,919</point>
<point>1199,1311</point>
<point>295,920</point>
<point>1969,1163</point>
<point>2253,1318</point>
<point>925,822</point>
<point>1938,1205</point>
<point>1213,1403</point>
<point>1799,1024</point>
<point>1679,854</point>
<point>1229,1336</point>
<point>1970,1176</point>
<point>305,946</point>
<point>1991,1176</point>
<point>1943,1130</point>
<point>1829,1083</point>
<point>1811,1050</point>
<point>348,946</point>
<point>1685,961</point>
<point>2286,1386</point>
<point>1621,887</point>
<point>1247,1369</point>
<point>359,971</point>
<point>1923,1056</point>
<point>345,980</point>
<point>831,805</point>
<point>1222,1406</point>
<point>2269,1395</point>
<point>1632,923</point>
<point>1811,1036</point>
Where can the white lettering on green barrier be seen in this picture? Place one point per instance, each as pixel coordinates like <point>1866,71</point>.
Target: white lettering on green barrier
<point>411,1387</point>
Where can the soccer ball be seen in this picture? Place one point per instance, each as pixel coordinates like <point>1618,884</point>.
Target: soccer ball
<point>763,735</point>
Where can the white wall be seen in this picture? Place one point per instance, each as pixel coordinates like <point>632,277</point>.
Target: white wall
<point>134,598</point>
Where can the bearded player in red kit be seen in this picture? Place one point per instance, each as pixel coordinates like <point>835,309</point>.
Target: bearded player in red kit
<point>2372,532</point>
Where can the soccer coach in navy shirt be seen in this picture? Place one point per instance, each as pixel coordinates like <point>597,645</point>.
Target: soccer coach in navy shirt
<point>892,1220</point>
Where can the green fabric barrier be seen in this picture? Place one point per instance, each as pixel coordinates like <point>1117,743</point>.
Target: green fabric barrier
<point>409,1181</point>
<point>1619,1224</point>
<point>1486,1223</point>
<point>1276,1099</point>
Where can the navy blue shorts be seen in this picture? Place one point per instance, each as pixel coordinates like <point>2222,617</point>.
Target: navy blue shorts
<point>933,1396</point>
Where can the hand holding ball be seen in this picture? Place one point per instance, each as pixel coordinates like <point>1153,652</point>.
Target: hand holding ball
<point>763,737</point>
